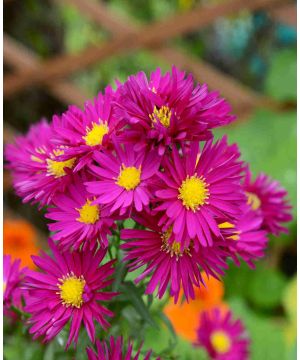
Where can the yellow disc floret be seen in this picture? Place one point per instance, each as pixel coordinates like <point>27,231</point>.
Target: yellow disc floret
<point>162,114</point>
<point>220,341</point>
<point>89,214</point>
<point>129,177</point>
<point>71,290</point>
<point>94,136</point>
<point>193,192</point>
<point>253,200</point>
<point>174,248</point>
<point>57,168</point>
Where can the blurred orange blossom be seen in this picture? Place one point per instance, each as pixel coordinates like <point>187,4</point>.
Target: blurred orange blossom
<point>185,317</point>
<point>20,241</point>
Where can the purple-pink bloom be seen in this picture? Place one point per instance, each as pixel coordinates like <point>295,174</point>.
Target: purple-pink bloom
<point>223,337</point>
<point>69,289</point>
<point>199,189</point>
<point>79,223</point>
<point>13,277</point>
<point>166,263</point>
<point>36,169</point>
<point>168,109</point>
<point>249,240</point>
<point>268,199</point>
<point>84,131</point>
<point>115,350</point>
<point>123,177</point>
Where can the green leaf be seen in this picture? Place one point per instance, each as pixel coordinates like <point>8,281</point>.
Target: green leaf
<point>133,294</point>
<point>168,324</point>
<point>129,224</point>
<point>266,288</point>
<point>266,335</point>
<point>120,271</point>
<point>290,300</point>
<point>281,81</point>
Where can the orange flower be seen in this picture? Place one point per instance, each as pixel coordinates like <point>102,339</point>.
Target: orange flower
<point>20,241</point>
<point>185,317</point>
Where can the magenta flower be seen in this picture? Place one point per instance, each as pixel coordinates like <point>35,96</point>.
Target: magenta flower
<point>268,199</point>
<point>69,288</point>
<point>114,350</point>
<point>37,172</point>
<point>77,221</point>
<point>168,108</point>
<point>84,131</point>
<point>223,337</point>
<point>198,190</point>
<point>12,280</point>
<point>167,263</point>
<point>123,178</point>
<point>249,241</point>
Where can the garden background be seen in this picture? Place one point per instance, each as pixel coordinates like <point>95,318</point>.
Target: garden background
<point>58,53</point>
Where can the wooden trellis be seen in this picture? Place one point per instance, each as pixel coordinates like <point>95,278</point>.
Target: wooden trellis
<point>127,36</point>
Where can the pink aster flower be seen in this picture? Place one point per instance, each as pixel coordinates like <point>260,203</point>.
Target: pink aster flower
<point>37,172</point>
<point>223,337</point>
<point>198,189</point>
<point>123,178</point>
<point>77,221</point>
<point>69,288</point>
<point>169,108</point>
<point>114,350</point>
<point>249,240</point>
<point>167,263</point>
<point>268,199</point>
<point>13,277</point>
<point>84,131</point>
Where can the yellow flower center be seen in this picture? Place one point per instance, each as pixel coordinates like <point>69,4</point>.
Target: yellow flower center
<point>129,177</point>
<point>193,192</point>
<point>71,290</point>
<point>57,168</point>
<point>4,286</point>
<point>89,214</point>
<point>163,115</point>
<point>220,341</point>
<point>253,200</point>
<point>94,136</point>
<point>173,248</point>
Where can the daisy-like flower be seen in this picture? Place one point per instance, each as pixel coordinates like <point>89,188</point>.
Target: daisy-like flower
<point>223,337</point>
<point>123,178</point>
<point>268,198</point>
<point>114,350</point>
<point>12,279</point>
<point>249,240</point>
<point>197,189</point>
<point>77,221</point>
<point>167,263</point>
<point>168,108</point>
<point>84,131</point>
<point>69,288</point>
<point>37,171</point>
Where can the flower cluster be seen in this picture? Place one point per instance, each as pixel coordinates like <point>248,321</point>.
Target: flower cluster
<point>144,151</point>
